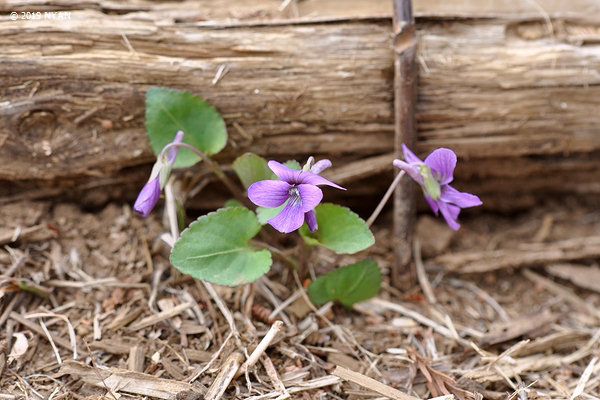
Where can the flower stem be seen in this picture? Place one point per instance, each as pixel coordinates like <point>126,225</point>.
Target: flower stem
<point>384,199</point>
<point>214,167</point>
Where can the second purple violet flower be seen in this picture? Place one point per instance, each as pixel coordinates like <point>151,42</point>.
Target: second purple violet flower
<point>434,176</point>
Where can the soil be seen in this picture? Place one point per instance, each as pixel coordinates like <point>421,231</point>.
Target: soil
<point>91,308</point>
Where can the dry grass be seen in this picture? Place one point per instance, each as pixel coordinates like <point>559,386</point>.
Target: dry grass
<point>91,308</point>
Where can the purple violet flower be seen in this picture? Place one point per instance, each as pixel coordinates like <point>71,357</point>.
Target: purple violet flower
<point>297,188</point>
<point>148,197</point>
<point>434,176</point>
<point>161,170</point>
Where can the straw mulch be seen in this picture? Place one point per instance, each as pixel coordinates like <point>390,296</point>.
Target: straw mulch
<point>507,308</point>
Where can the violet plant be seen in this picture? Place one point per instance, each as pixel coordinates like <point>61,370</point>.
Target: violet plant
<point>221,247</point>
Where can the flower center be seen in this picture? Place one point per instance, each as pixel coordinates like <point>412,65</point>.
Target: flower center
<point>294,195</point>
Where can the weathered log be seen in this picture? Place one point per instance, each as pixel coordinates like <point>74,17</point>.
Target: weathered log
<point>514,93</point>
<point>74,104</point>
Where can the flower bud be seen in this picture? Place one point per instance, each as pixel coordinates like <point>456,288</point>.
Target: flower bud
<point>147,198</point>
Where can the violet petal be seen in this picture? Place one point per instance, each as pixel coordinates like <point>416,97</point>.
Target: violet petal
<point>269,193</point>
<point>284,173</point>
<point>313,179</point>
<point>461,199</point>
<point>411,170</point>
<point>450,214</point>
<point>289,219</point>
<point>433,204</point>
<point>310,218</point>
<point>409,156</point>
<point>320,166</point>
<point>442,163</point>
<point>147,198</point>
<point>310,196</point>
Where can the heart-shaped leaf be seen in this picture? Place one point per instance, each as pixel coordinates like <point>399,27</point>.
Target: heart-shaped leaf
<point>251,168</point>
<point>169,111</point>
<point>348,285</point>
<point>340,230</point>
<point>215,248</point>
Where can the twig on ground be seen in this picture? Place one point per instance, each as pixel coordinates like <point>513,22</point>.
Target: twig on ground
<point>483,295</point>
<point>95,369</point>
<point>14,302</point>
<point>303,386</point>
<point>224,310</point>
<point>156,280</point>
<point>228,370</point>
<point>274,376</point>
<point>512,350</point>
<point>296,295</point>
<point>127,381</point>
<point>422,274</point>
<point>416,316</point>
<point>583,351</point>
<point>34,327</point>
<point>268,294</point>
<point>54,349</point>
<point>562,291</point>
<point>135,362</point>
<point>15,264</point>
<point>214,357</point>
<point>525,255</point>
<point>161,316</point>
<point>260,349</point>
<point>371,384</point>
<point>96,284</point>
<point>585,377</point>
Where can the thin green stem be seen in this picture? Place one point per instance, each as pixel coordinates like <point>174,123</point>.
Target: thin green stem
<point>214,167</point>
<point>384,199</point>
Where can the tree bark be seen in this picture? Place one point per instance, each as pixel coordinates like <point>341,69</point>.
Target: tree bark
<point>514,93</point>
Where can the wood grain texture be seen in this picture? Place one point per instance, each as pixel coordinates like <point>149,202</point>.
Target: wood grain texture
<point>515,94</point>
<point>293,90</point>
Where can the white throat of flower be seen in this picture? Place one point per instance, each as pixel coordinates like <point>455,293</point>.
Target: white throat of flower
<point>294,196</point>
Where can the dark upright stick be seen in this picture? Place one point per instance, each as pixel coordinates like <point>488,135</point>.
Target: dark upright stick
<point>405,87</point>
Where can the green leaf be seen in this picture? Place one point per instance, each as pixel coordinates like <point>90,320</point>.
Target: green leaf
<point>348,285</point>
<point>265,214</point>
<point>233,203</point>
<point>169,110</point>
<point>251,168</point>
<point>340,230</point>
<point>293,164</point>
<point>215,248</point>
